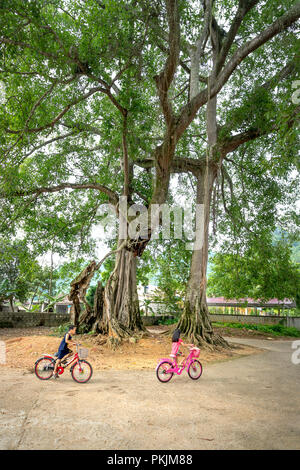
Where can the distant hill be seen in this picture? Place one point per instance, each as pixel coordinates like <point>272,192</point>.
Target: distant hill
<point>279,234</point>
<point>296,252</point>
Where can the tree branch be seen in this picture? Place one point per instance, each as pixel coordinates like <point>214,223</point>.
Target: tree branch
<point>189,111</point>
<point>165,78</point>
<point>24,45</point>
<point>275,28</point>
<point>179,165</point>
<point>55,139</point>
<point>197,50</point>
<point>244,7</point>
<point>113,197</point>
<point>233,142</point>
<point>125,157</point>
<point>82,127</point>
<point>59,116</point>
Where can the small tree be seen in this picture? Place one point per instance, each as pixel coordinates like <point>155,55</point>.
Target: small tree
<point>18,269</point>
<point>263,271</point>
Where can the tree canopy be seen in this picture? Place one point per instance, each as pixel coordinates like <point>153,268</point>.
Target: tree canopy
<point>104,99</point>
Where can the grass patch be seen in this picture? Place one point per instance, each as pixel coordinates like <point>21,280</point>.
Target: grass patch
<point>276,330</point>
<point>167,321</point>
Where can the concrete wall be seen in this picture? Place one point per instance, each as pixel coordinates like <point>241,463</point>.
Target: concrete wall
<point>253,319</point>
<point>258,320</point>
<point>30,319</point>
<point>4,308</point>
<point>293,322</point>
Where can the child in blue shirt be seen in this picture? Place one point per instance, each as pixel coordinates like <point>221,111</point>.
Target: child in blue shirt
<point>63,350</point>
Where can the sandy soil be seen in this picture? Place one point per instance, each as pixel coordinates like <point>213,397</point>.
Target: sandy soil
<point>24,346</point>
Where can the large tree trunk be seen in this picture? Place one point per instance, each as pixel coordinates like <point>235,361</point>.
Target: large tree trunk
<point>11,301</point>
<point>195,322</point>
<point>121,316</point>
<point>91,319</point>
<point>116,307</point>
<point>78,291</point>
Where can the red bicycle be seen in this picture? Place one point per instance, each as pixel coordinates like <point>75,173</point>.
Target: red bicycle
<point>81,370</point>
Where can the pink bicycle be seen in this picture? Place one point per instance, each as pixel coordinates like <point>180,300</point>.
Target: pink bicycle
<point>166,368</point>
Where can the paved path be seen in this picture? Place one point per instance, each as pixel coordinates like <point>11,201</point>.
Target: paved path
<point>247,403</point>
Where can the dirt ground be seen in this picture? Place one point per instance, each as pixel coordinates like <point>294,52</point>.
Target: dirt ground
<point>249,403</point>
<point>24,346</point>
<point>240,401</point>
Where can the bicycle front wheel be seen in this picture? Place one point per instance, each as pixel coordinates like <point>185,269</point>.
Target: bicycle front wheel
<point>82,372</point>
<point>44,368</point>
<point>195,370</point>
<point>162,374</point>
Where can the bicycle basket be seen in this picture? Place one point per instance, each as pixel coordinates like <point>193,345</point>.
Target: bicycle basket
<point>83,353</point>
<point>196,352</point>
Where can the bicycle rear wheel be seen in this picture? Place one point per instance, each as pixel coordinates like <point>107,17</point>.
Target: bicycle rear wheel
<point>44,368</point>
<point>162,374</point>
<point>195,370</point>
<point>82,373</point>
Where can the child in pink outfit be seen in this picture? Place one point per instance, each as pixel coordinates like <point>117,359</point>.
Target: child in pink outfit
<point>176,343</point>
<point>175,348</point>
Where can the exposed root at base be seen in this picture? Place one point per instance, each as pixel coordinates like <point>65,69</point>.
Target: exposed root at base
<point>113,342</point>
<point>201,334</point>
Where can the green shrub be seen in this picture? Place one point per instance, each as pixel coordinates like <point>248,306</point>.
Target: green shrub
<point>167,321</point>
<point>276,330</point>
<point>60,330</point>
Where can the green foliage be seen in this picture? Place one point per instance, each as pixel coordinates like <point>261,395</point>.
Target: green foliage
<point>166,321</point>
<point>296,252</point>
<point>18,270</point>
<point>60,330</point>
<point>167,264</point>
<point>253,112</point>
<point>66,272</point>
<point>263,271</point>
<point>91,295</point>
